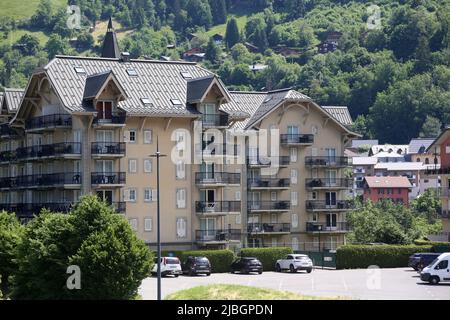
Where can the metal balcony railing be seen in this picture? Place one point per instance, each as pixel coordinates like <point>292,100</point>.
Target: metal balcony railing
<point>269,228</point>
<point>7,131</point>
<point>297,139</point>
<point>269,183</point>
<point>49,121</point>
<point>217,178</point>
<point>437,171</point>
<point>325,205</point>
<point>268,161</point>
<point>217,206</point>
<point>30,209</point>
<point>42,180</point>
<point>108,148</point>
<point>217,149</point>
<point>108,178</point>
<point>115,118</point>
<point>269,205</point>
<point>323,227</point>
<point>218,235</point>
<point>215,120</point>
<point>48,150</point>
<point>120,207</point>
<point>329,183</point>
<point>326,161</point>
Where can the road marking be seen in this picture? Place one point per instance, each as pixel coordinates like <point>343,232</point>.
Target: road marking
<point>345,284</point>
<point>312,283</point>
<point>280,285</point>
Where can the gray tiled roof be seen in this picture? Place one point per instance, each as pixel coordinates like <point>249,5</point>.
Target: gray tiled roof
<point>244,103</point>
<point>158,80</point>
<point>340,113</point>
<point>360,142</point>
<point>272,100</point>
<point>419,145</point>
<point>13,97</point>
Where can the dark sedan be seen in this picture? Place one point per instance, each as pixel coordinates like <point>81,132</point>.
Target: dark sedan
<point>247,265</point>
<point>418,261</point>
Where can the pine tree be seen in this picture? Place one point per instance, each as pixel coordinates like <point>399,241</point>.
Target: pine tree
<point>219,11</point>
<point>212,51</point>
<point>232,34</point>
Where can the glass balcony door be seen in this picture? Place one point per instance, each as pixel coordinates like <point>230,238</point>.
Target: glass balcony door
<point>104,110</point>
<point>331,221</point>
<point>208,228</point>
<point>330,199</point>
<point>106,196</point>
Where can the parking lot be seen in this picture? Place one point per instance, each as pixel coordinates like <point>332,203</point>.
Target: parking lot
<point>365,284</point>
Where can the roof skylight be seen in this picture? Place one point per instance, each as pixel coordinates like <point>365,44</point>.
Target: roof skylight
<point>176,102</point>
<point>146,101</point>
<point>186,75</point>
<point>79,69</point>
<point>132,72</point>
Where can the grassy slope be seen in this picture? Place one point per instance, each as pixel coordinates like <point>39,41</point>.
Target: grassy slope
<point>241,16</point>
<point>236,292</point>
<point>20,9</point>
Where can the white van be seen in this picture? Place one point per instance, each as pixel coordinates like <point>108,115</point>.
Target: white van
<point>438,270</point>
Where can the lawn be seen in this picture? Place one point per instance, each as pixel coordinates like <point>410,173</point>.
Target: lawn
<point>241,16</point>
<point>237,292</point>
<point>16,34</point>
<point>20,9</point>
<point>100,30</point>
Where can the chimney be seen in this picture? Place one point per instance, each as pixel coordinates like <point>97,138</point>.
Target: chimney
<point>125,57</point>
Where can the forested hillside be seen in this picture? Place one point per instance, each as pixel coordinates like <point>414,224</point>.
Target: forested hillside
<point>395,77</point>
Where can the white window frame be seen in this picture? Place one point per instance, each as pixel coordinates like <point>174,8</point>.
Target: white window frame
<point>181,228</point>
<point>180,202</point>
<point>294,220</point>
<point>134,223</point>
<point>294,198</point>
<point>127,195</point>
<point>237,196</point>
<point>293,154</point>
<point>148,191</point>
<point>294,176</point>
<point>148,161</point>
<point>180,170</point>
<point>135,136</point>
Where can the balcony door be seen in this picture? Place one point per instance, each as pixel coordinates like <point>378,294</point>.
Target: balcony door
<point>208,197</point>
<point>330,199</point>
<point>208,170</point>
<point>104,166</point>
<point>106,196</point>
<point>208,228</point>
<point>292,132</point>
<point>331,176</point>
<point>104,137</point>
<point>255,200</point>
<point>209,112</point>
<point>331,221</point>
<point>104,110</point>
<point>331,155</point>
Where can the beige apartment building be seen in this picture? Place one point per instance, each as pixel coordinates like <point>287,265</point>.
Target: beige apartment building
<point>241,168</point>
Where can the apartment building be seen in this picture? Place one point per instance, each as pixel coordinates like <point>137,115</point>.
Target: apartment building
<point>396,189</point>
<point>88,125</point>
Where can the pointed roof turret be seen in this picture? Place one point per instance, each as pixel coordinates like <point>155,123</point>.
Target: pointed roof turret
<point>110,45</point>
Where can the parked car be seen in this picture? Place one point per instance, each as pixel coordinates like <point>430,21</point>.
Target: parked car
<point>196,265</point>
<point>294,262</point>
<point>418,261</point>
<point>169,266</point>
<point>247,265</point>
<point>438,270</point>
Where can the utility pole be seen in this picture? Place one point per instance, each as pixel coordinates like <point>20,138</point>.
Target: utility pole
<point>158,155</point>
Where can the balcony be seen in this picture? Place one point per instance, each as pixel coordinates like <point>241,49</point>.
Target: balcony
<point>327,162</point>
<point>317,227</point>
<point>268,206</point>
<point>62,150</point>
<point>49,122</point>
<point>439,171</point>
<point>319,205</point>
<point>120,207</point>
<point>269,228</point>
<point>8,156</point>
<point>217,236</point>
<point>297,139</point>
<point>259,161</point>
<point>329,183</point>
<point>217,179</point>
<point>113,120</point>
<point>211,149</point>
<point>108,149</point>
<point>444,214</point>
<point>217,207</point>
<point>31,209</point>
<point>215,120</point>
<point>51,180</point>
<point>6,132</point>
<point>108,179</point>
<point>269,183</point>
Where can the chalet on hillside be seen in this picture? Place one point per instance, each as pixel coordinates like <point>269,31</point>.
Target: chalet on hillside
<point>251,47</point>
<point>194,55</point>
<point>218,38</point>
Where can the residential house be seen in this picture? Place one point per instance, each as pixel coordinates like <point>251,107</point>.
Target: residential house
<point>417,152</point>
<point>218,38</point>
<point>194,55</point>
<point>362,167</point>
<point>381,188</point>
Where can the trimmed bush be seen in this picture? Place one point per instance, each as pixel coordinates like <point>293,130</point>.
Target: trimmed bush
<point>267,256</point>
<point>384,256</point>
<point>438,246</point>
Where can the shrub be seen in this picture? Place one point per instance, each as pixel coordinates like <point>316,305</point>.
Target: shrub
<point>10,236</point>
<point>112,260</point>
<point>220,259</point>
<point>384,256</point>
<point>267,256</point>
<point>438,246</point>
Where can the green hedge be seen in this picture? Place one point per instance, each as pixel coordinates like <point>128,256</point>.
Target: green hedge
<point>267,256</point>
<point>384,256</point>
<point>438,246</point>
<point>220,259</point>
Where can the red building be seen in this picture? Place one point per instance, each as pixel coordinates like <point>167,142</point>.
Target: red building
<point>395,188</point>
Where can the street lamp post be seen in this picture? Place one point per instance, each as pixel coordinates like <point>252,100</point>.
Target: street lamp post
<point>158,155</point>
<point>319,228</point>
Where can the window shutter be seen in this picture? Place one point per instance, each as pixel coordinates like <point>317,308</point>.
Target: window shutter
<point>148,224</point>
<point>126,195</point>
<point>134,224</point>
<point>238,219</point>
<point>238,196</point>
<point>180,170</point>
<point>294,174</point>
<point>147,136</point>
<point>295,244</point>
<point>294,220</point>
<point>181,228</point>
<point>154,195</point>
<point>132,166</point>
<point>293,153</point>
<point>180,140</point>
<point>294,198</point>
<point>181,198</point>
<point>126,136</point>
<point>148,165</point>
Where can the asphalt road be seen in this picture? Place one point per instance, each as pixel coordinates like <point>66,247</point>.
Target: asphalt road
<point>365,284</point>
